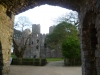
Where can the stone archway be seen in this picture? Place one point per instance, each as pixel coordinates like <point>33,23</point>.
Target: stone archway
<point>6,31</point>
<point>89,42</point>
<point>89,16</point>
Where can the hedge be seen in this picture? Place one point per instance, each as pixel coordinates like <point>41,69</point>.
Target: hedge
<point>26,61</point>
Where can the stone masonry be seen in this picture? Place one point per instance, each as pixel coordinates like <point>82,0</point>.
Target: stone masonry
<point>89,27</point>
<point>51,28</point>
<point>33,46</point>
<point>36,39</point>
<point>6,31</point>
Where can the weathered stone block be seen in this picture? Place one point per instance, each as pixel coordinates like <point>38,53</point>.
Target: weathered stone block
<point>97,25</point>
<point>97,53</point>
<point>6,32</point>
<point>98,41</point>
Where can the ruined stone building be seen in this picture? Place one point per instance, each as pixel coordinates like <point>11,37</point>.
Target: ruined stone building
<point>51,28</point>
<point>42,46</point>
<point>36,44</point>
<point>89,29</point>
<point>33,44</point>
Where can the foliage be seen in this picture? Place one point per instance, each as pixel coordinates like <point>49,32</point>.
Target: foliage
<point>13,55</point>
<point>60,32</point>
<point>71,47</point>
<point>29,61</point>
<point>19,47</point>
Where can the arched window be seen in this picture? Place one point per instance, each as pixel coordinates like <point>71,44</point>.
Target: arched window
<point>32,42</point>
<point>37,40</point>
<point>37,47</point>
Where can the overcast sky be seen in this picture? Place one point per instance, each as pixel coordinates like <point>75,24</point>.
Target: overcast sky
<point>44,15</point>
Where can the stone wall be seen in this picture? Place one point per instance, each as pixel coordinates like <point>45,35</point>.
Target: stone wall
<point>33,46</point>
<point>97,52</point>
<point>89,37</point>
<point>6,31</point>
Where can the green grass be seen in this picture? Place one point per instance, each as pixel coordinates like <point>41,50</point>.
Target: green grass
<point>13,56</point>
<point>54,59</point>
<point>48,59</point>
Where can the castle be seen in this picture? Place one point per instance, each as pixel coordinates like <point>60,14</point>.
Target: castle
<point>36,44</point>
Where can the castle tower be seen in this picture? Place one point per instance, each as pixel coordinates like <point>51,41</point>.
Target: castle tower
<point>51,28</point>
<point>36,40</point>
<point>36,28</point>
<point>42,47</point>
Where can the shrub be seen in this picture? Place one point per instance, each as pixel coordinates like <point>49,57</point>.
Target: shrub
<point>28,61</point>
<point>15,61</point>
<point>36,62</point>
<point>43,62</point>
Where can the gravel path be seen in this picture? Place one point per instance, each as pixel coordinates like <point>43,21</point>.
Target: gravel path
<point>52,68</point>
<point>56,63</point>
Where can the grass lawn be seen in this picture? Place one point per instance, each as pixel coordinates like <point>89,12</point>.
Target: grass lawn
<point>48,59</point>
<point>13,56</point>
<point>54,59</point>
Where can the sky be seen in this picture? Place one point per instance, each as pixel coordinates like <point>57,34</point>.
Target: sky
<point>44,15</point>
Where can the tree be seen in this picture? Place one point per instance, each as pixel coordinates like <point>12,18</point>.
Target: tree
<point>22,22</point>
<point>72,17</point>
<point>21,43</point>
<point>20,38</point>
<point>60,32</point>
<point>71,47</point>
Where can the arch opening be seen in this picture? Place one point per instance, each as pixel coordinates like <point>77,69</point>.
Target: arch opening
<point>54,52</point>
<point>45,14</point>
